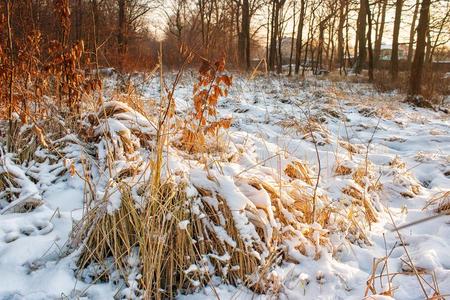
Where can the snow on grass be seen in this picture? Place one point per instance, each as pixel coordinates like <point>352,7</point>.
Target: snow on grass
<point>405,151</point>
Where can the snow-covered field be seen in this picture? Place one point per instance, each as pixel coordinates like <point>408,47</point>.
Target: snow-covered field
<point>343,127</point>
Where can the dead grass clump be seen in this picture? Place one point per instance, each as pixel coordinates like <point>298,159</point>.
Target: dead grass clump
<point>166,250</point>
<point>311,129</point>
<point>181,243</point>
<point>298,170</point>
<point>406,184</point>
<point>365,177</point>
<point>249,261</point>
<point>330,110</point>
<point>383,81</point>
<point>367,183</point>
<point>435,86</point>
<point>194,141</point>
<point>397,163</point>
<point>440,202</point>
<point>387,111</point>
<point>18,193</point>
<point>109,234</point>
<point>351,148</point>
<point>360,199</point>
<point>342,170</point>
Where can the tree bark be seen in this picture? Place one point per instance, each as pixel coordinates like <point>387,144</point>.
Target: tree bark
<point>369,41</point>
<point>292,42</point>
<point>8,4</point>
<point>394,54</point>
<point>273,37</point>
<point>379,37</point>
<point>412,33</point>
<point>340,46</point>
<point>298,45</point>
<point>415,81</point>
<point>361,36</point>
<point>246,32</point>
<point>320,48</point>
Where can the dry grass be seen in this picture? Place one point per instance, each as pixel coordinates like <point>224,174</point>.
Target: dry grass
<point>435,84</point>
<point>165,250</point>
<point>440,202</point>
<point>211,242</point>
<point>299,170</point>
<point>182,241</point>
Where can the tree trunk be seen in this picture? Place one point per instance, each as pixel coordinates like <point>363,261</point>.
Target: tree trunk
<point>347,48</point>
<point>8,4</point>
<point>95,19</point>
<point>369,41</point>
<point>268,37</point>
<point>278,26</point>
<point>415,81</point>
<point>428,46</point>
<point>308,43</point>
<point>246,32</point>
<point>412,33</point>
<point>273,38</point>
<point>292,43</point>
<point>340,46</point>
<point>320,48</point>
<point>298,45</point>
<point>394,54</point>
<point>361,36</point>
<point>379,37</point>
<point>94,10</point>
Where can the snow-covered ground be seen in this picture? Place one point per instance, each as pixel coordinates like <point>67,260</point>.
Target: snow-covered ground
<point>406,149</point>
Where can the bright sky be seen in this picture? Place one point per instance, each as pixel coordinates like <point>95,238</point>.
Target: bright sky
<point>158,20</point>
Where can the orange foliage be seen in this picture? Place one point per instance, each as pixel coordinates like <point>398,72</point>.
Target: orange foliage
<point>212,84</point>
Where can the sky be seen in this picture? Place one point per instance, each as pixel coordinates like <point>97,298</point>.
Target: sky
<point>157,21</point>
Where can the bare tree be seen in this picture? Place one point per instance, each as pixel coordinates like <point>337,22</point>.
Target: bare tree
<point>340,32</point>
<point>380,31</point>
<point>394,54</point>
<point>299,42</point>
<point>441,36</point>
<point>361,37</point>
<point>412,32</point>
<point>244,39</point>
<point>369,41</point>
<point>292,41</point>
<point>415,81</point>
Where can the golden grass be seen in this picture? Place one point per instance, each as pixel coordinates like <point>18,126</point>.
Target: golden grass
<point>176,259</point>
<point>181,259</point>
<point>440,202</point>
<point>298,170</point>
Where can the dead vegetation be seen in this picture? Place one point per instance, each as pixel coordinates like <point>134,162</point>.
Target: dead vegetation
<point>183,240</point>
<point>171,232</point>
<point>434,89</point>
<point>153,232</point>
<point>440,202</point>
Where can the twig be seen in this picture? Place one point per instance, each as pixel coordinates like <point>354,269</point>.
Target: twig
<point>426,219</point>
<point>407,254</point>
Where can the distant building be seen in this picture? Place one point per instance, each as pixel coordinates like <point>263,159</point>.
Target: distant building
<point>386,52</point>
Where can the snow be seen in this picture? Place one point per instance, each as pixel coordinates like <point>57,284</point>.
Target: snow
<point>183,224</point>
<point>409,156</point>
